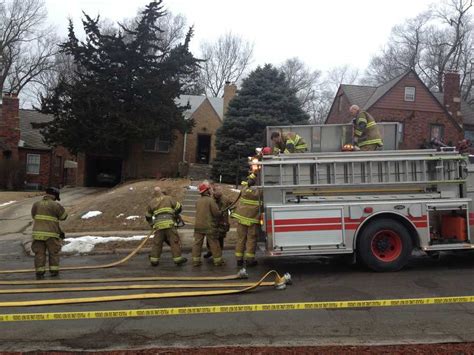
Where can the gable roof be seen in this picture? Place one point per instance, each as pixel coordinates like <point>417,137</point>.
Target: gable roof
<point>195,101</point>
<point>31,137</point>
<point>367,96</point>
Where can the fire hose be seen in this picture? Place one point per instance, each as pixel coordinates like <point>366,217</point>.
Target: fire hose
<point>279,283</point>
<point>242,274</point>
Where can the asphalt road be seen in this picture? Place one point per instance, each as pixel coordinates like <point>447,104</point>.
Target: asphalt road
<point>315,279</point>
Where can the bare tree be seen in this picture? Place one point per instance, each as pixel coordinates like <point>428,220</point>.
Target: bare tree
<point>432,43</point>
<point>27,44</point>
<point>227,59</point>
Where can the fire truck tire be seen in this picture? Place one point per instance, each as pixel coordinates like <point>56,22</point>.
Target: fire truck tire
<point>384,245</point>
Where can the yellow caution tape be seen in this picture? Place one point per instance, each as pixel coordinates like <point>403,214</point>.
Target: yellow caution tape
<point>176,311</point>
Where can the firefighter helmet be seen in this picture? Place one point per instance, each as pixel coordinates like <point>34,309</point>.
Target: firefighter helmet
<point>54,192</point>
<point>203,187</point>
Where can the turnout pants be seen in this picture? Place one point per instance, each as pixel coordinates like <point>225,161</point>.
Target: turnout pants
<point>213,241</point>
<point>220,238</point>
<point>369,147</point>
<point>246,242</point>
<point>170,234</point>
<point>53,247</point>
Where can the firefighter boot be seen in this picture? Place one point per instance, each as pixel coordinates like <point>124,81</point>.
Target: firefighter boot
<point>219,262</point>
<point>39,275</point>
<point>180,260</point>
<point>54,273</point>
<point>251,262</point>
<point>240,262</point>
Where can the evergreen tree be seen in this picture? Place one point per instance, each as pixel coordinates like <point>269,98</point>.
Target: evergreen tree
<point>265,99</point>
<point>123,89</point>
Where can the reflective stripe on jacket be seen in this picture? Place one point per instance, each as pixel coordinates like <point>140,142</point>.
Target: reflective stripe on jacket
<point>162,209</point>
<point>248,208</point>
<point>366,131</point>
<point>291,143</point>
<point>46,215</point>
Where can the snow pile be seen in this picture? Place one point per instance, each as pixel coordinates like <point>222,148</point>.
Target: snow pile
<point>119,215</point>
<point>6,203</point>
<point>86,244</point>
<point>235,190</point>
<point>192,188</point>
<point>133,217</point>
<point>91,214</point>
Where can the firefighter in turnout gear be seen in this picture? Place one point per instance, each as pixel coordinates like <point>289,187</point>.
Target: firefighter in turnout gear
<point>222,225</point>
<point>288,143</point>
<point>160,215</point>
<point>247,214</point>
<point>366,133</point>
<point>47,234</point>
<point>207,212</point>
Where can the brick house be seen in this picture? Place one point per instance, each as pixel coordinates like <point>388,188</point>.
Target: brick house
<point>22,147</point>
<point>423,115</point>
<point>158,157</point>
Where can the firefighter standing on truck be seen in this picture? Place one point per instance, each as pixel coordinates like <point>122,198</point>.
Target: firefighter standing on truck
<point>160,215</point>
<point>47,234</point>
<point>366,133</point>
<point>207,212</point>
<point>247,214</point>
<point>288,143</point>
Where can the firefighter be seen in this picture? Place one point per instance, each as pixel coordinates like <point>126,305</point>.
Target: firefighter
<point>288,143</point>
<point>247,215</point>
<point>47,234</point>
<point>222,222</point>
<point>160,214</point>
<point>366,133</point>
<point>207,212</point>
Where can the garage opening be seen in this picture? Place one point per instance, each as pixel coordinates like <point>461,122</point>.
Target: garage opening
<point>103,171</point>
<point>203,148</point>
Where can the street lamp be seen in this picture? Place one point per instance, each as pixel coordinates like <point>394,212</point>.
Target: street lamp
<point>238,147</point>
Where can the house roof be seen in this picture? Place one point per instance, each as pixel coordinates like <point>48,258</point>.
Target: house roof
<point>466,110</point>
<point>367,96</point>
<point>358,94</point>
<point>31,137</point>
<point>196,100</point>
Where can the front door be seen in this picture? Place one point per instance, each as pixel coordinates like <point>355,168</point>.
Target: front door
<point>203,149</point>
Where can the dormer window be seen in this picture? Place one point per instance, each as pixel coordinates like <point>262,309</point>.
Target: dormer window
<point>409,93</point>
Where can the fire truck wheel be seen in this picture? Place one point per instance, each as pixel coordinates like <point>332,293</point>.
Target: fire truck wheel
<point>384,245</point>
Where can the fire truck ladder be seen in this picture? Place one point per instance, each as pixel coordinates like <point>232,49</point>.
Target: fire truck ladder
<point>412,168</point>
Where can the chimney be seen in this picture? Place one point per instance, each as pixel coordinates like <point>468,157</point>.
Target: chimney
<point>229,92</point>
<point>452,95</point>
<point>10,126</point>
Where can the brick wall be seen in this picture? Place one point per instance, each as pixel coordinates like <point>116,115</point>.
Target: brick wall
<point>10,125</point>
<point>452,95</point>
<point>339,112</point>
<point>43,179</point>
<point>207,122</point>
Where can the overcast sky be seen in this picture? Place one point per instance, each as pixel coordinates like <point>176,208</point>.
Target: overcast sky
<point>323,33</point>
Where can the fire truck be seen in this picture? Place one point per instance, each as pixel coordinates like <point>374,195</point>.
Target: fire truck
<point>378,206</point>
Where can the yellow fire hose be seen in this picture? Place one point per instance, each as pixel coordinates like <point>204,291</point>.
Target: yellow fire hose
<point>242,274</point>
<point>89,267</point>
<point>128,287</point>
<point>279,283</point>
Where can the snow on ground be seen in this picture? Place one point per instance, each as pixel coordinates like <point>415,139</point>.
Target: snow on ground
<point>133,217</point>
<point>192,188</point>
<point>91,214</point>
<point>235,190</point>
<point>120,215</point>
<point>6,203</point>
<point>86,244</point>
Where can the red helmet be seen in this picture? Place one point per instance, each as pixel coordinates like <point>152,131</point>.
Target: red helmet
<point>267,151</point>
<point>203,187</point>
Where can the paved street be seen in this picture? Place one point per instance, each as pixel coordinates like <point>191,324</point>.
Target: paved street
<point>315,279</point>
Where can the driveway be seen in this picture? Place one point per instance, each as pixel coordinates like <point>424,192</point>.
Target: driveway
<point>16,218</point>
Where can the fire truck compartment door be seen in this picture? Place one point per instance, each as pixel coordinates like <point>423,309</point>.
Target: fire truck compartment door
<point>304,227</point>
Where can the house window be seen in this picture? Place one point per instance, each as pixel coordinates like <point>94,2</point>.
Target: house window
<point>409,93</point>
<point>469,135</point>
<point>57,165</point>
<point>33,164</point>
<point>160,145</point>
<point>437,132</point>
<point>400,131</point>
